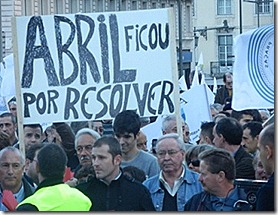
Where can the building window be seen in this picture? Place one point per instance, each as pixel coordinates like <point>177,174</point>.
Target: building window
<point>28,8</point>
<point>264,7</point>
<point>134,5</point>
<point>224,7</point>
<point>59,7</point>
<point>123,5</point>
<point>112,5</point>
<point>144,5</point>
<point>74,6</point>
<point>87,6</point>
<point>44,7</point>
<point>225,49</point>
<point>153,5</point>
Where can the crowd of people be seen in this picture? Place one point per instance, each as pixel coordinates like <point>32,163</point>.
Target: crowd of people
<point>107,165</point>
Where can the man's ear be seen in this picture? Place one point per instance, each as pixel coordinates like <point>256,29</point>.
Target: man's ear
<point>117,160</point>
<point>269,152</point>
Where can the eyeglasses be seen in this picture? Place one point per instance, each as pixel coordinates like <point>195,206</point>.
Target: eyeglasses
<point>79,149</point>
<point>171,153</point>
<point>194,162</point>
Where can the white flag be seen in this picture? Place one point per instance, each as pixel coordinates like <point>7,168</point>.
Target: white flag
<point>200,64</point>
<point>214,90</point>
<point>195,104</point>
<point>195,81</point>
<point>253,73</point>
<point>203,79</point>
<point>182,84</point>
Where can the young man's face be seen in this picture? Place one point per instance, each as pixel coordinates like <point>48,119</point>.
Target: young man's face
<point>106,168</point>
<point>32,136</point>
<point>128,141</point>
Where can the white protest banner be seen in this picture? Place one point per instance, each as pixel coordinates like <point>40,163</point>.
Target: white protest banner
<point>195,104</point>
<point>77,67</point>
<point>253,73</point>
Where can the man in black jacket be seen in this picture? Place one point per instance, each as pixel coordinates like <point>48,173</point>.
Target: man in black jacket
<point>265,196</point>
<point>228,135</point>
<point>111,190</point>
<point>225,91</point>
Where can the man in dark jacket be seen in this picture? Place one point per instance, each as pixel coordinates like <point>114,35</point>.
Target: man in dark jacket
<point>111,190</point>
<point>225,91</point>
<point>228,135</point>
<point>11,175</point>
<point>217,173</point>
<point>265,196</point>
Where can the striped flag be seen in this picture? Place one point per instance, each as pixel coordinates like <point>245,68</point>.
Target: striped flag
<point>253,73</point>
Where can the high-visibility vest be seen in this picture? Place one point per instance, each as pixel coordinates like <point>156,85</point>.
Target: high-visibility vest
<point>59,197</point>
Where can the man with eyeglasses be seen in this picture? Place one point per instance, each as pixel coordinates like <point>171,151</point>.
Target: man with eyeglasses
<point>175,184</point>
<point>226,90</point>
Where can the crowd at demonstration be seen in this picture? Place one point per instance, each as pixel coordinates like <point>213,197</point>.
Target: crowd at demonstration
<point>105,165</point>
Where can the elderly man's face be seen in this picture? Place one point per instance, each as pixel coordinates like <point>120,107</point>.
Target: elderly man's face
<point>84,149</point>
<point>11,171</point>
<point>170,156</point>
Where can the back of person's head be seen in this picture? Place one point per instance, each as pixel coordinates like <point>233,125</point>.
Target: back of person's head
<point>267,135</point>
<point>52,161</point>
<point>254,127</point>
<point>87,131</point>
<point>219,160</point>
<point>4,140</point>
<point>195,150</point>
<point>134,172</point>
<point>77,125</point>
<point>128,121</point>
<point>112,143</point>
<point>67,136</point>
<point>30,153</point>
<point>230,129</point>
<point>207,129</point>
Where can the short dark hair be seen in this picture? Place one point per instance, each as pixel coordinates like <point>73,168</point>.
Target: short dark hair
<point>254,126</point>
<point>37,125</point>
<point>252,112</point>
<point>127,121</point>
<point>230,129</point>
<point>30,154</point>
<point>207,128</point>
<point>219,160</point>
<point>134,172</point>
<point>112,143</point>
<point>52,161</point>
<point>9,114</point>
